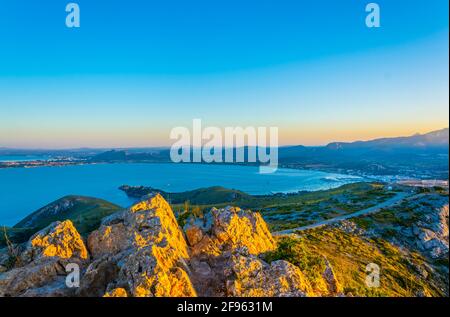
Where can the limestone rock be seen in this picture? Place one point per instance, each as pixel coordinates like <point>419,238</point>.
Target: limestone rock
<point>108,239</point>
<point>231,228</point>
<point>98,276</point>
<point>252,277</point>
<point>225,246</point>
<point>57,288</point>
<point>238,228</point>
<point>142,250</point>
<point>202,269</point>
<point>35,275</point>
<point>59,239</point>
<point>152,223</point>
<point>334,288</point>
<point>44,260</point>
<point>194,231</point>
<point>432,236</point>
<point>117,292</point>
<point>115,218</point>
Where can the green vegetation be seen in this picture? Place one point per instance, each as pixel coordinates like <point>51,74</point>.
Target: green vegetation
<point>404,271</point>
<point>88,212</point>
<point>403,215</point>
<point>295,252</point>
<point>307,208</point>
<point>209,196</point>
<point>85,212</point>
<point>187,212</point>
<point>281,211</point>
<point>349,255</point>
<point>15,235</point>
<point>286,211</point>
<point>202,196</point>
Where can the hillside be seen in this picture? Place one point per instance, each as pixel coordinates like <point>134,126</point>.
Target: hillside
<point>143,252</point>
<point>418,156</point>
<point>434,139</point>
<point>149,250</point>
<point>85,212</point>
<point>202,196</point>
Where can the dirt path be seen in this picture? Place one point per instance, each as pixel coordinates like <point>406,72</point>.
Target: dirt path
<point>392,201</point>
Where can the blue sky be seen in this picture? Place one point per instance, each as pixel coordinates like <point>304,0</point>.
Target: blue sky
<point>135,69</point>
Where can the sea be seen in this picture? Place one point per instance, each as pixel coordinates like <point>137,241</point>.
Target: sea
<point>24,190</point>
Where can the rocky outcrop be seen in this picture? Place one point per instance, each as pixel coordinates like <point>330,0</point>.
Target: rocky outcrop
<point>142,252</point>
<point>41,268</point>
<point>425,227</point>
<point>432,233</point>
<point>249,276</point>
<point>59,240</point>
<point>348,227</point>
<point>109,239</point>
<point>332,284</point>
<point>229,228</point>
<point>226,245</point>
<point>235,228</point>
<point>118,292</point>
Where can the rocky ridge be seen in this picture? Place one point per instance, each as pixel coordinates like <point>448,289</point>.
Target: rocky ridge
<point>142,252</point>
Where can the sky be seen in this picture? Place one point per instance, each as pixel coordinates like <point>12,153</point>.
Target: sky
<point>136,69</point>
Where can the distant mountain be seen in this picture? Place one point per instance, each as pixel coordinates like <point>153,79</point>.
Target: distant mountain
<point>112,155</point>
<point>151,155</point>
<point>439,138</point>
<point>418,156</point>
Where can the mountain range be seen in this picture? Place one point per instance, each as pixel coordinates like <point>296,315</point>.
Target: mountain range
<point>423,156</point>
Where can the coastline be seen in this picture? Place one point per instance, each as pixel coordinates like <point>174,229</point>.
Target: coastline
<point>400,178</point>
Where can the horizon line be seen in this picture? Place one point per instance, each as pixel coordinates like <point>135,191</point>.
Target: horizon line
<point>168,146</point>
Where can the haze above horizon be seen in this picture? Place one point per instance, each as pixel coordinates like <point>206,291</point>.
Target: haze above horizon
<point>135,69</point>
